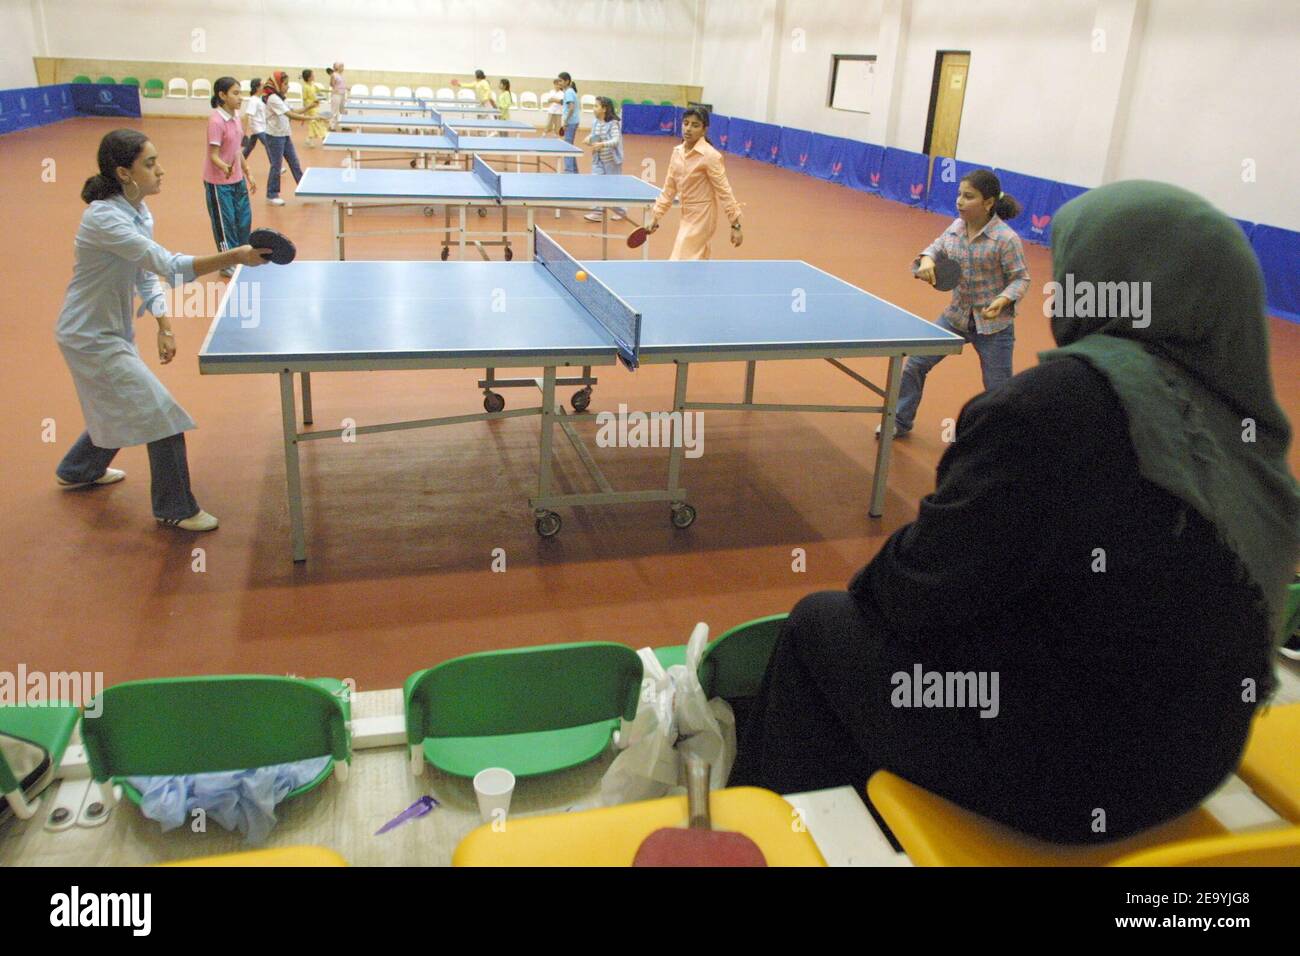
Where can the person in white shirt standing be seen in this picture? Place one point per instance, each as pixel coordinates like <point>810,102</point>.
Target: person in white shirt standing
<point>279,138</point>
<point>253,114</point>
<point>338,94</point>
<point>553,100</point>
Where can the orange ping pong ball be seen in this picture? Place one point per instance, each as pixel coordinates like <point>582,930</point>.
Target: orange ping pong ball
<point>580,276</point>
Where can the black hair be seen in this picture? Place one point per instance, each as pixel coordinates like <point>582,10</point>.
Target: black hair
<point>505,83</point>
<point>480,75</point>
<point>219,87</point>
<point>255,85</point>
<point>568,79</point>
<point>306,76</point>
<point>986,183</point>
<point>329,70</point>
<point>701,114</point>
<point>121,147</point>
<point>608,104</point>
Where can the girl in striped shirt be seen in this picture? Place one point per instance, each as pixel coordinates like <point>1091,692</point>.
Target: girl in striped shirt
<point>606,142</point>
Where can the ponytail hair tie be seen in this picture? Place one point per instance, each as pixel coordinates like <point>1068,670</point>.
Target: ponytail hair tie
<point>1000,195</point>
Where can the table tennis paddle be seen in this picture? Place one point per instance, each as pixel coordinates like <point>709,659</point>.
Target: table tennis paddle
<point>698,844</point>
<point>638,238</point>
<point>282,250</point>
<point>947,272</point>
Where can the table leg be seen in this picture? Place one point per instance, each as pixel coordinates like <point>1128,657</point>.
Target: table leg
<point>604,233</point>
<point>340,218</point>
<point>505,230</point>
<point>749,382</point>
<point>678,450</point>
<point>293,478</point>
<point>880,480</point>
<point>463,210</point>
<point>548,425</point>
<point>532,227</point>
<point>307,417</point>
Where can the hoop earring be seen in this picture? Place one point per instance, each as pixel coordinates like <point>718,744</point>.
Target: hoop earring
<point>134,198</point>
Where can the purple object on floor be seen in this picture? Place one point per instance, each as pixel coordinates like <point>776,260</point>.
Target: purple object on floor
<point>418,809</point>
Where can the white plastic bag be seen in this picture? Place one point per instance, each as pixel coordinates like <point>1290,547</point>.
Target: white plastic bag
<point>673,719</point>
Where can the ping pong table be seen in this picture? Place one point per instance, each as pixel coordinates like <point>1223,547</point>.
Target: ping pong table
<point>433,122</point>
<point>449,142</point>
<point>482,188</point>
<point>323,316</point>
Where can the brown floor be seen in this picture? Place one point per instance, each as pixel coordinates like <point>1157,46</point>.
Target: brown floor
<point>402,527</point>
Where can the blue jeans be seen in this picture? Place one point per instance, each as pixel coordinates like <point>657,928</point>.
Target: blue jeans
<point>168,467</point>
<point>251,141</point>
<point>280,148</point>
<point>601,168</point>
<point>570,164</point>
<point>995,362</point>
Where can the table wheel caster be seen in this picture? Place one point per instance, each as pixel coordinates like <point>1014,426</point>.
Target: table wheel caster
<point>581,399</point>
<point>482,213</point>
<point>547,524</point>
<point>510,253</point>
<point>413,164</point>
<point>683,515</point>
<point>493,402</point>
<point>428,211</point>
<point>446,251</point>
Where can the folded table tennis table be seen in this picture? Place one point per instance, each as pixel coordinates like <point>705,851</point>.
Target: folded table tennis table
<point>449,143</point>
<point>433,123</point>
<point>327,316</point>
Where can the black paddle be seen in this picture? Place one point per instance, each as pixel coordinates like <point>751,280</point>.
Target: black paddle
<point>282,250</point>
<point>947,272</point>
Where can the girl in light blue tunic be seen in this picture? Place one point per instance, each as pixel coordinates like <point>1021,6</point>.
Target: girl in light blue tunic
<point>123,402</point>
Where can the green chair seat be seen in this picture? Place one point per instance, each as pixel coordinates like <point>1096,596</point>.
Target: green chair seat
<point>531,710</point>
<point>130,81</point>
<point>525,755</point>
<point>668,656</point>
<point>153,89</point>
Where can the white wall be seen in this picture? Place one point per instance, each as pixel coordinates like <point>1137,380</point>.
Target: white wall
<point>648,41</point>
<point>1213,89</point>
<point>18,44</point>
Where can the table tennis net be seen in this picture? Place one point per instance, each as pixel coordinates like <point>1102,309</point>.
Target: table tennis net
<point>488,176</point>
<point>620,320</point>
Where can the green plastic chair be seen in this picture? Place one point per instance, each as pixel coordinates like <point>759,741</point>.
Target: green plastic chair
<point>665,102</point>
<point>153,89</point>
<point>81,79</point>
<point>733,665</point>
<point>49,727</point>
<point>531,710</point>
<point>177,726</point>
<point>626,102</point>
<point>107,81</point>
<point>647,102</point>
<point>130,81</point>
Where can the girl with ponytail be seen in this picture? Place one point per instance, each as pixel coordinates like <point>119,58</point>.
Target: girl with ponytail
<point>279,138</point>
<point>227,181</point>
<point>994,278</point>
<point>122,400</point>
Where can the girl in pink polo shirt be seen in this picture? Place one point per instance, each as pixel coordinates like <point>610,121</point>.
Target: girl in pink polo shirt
<point>227,181</point>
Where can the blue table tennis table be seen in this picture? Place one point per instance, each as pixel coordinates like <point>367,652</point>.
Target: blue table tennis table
<point>327,316</point>
<point>450,143</point>
<point>482,188</point>
<point>433,123</point>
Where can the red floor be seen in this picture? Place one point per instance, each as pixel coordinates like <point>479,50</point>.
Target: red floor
<point>402,527</point>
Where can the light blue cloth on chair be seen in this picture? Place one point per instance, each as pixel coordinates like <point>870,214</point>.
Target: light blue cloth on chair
<point>242,800</point>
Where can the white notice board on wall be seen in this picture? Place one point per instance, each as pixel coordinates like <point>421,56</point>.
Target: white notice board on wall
<point>853,82</point>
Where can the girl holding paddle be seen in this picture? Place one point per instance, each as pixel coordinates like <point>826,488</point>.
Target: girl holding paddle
<point>123,402</point>
<point>697,174</point>
<point>994,278</point>
<point>279,138</point>
<point>227,183</point>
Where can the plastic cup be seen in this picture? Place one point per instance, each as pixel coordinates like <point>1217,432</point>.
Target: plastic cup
<point>493,787</point>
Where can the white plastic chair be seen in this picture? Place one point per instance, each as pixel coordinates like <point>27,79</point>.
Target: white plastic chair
<point>359,89</point>
<point>424,93</point>
<point>588,103</point>
<point>201,89</point>
<point>468,95</point>
<point>294,96</point>
<point>247,87</point>
<point>381,90</point>
<point>445,93</point>
<point>402,92</point>
<point>528,101</point>
<point>178,87</point>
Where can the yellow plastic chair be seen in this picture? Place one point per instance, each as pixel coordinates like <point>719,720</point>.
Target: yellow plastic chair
<point>1270,848</point>
<point>279,856</point>
<point>610,836</point>
<point>936,832</point>
<point>1271,764</point>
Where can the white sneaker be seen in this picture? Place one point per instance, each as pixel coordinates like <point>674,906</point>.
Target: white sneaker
<point>593,217</point>
<point>198,522</point>
<point>110,476</point>
<point>616,215</point>
<point>277,201</point>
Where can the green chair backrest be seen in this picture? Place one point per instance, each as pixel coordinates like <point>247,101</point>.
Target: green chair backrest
<point>153,89</point>
<point>734,664</point>
<point>665,102</point>
<point>130,81</point>
<point>154,84</point>
<point>81,79</point>
<point>647,102</point>
<point>188,725</point>
<point>107,81</point>
<point>626,102</point>
<point>523,690</point>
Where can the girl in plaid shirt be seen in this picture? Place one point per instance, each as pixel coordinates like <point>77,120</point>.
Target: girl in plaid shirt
<point>606,142</point>
<point>994,278</point>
